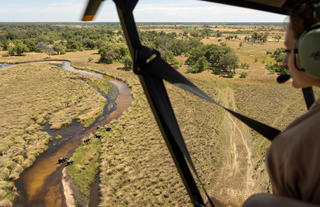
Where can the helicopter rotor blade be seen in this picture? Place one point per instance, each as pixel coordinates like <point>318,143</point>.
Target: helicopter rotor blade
<point>91,10</point>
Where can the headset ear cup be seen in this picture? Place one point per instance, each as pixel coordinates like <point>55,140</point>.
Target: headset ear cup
<point>296,61</point>
<point>308,55</point>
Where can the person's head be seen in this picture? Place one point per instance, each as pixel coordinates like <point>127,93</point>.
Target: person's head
<point>301,19</point>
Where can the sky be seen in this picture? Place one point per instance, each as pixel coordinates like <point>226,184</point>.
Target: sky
<point>145,11</point>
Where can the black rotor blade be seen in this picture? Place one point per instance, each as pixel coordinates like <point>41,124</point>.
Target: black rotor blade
<point>91,10</point>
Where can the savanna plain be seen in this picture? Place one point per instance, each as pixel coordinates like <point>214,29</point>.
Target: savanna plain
<point>126,157</point>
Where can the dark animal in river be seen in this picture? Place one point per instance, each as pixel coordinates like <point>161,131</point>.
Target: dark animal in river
<point>62,160</point>
<point>69,162</point>
<point>86,141</point>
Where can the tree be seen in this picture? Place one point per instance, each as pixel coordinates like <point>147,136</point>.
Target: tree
<point>278,54</point>
<point>200,65</point>
<point>243,75</point>
<point>31,44</point>
<point>127,63</point>
<point>59,48</point>
<point>194,55</point>
<point>21,48</point>
<point>89,44</point>
<point>213,53</point>
<point>277,37</point>
<point>73,45</point>
<point>106,57</point>
<point>277,67</point>
<point>229,61</point>
<point>44,47</point>
<point>11,50</point>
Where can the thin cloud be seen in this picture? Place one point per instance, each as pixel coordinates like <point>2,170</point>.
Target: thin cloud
<point>146,11</point>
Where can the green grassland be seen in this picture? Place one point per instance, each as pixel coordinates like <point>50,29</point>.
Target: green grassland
<point>140,171</point>
<point>85,169</point>
<point>31,95</point>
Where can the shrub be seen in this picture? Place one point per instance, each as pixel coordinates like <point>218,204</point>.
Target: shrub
<point>193,70</point>
<point>268,53</point>
<point>5,54</point>
<point>59,48</point>
<point>217,70</point>
<point>230,75</point>
<point>127,63</point>
<point>279,69</point>
<point>199,66</point>
<point>244,65</point>
<point>243,75</point>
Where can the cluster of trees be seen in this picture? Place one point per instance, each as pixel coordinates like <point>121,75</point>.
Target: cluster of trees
<point>215,57</point>
<point>53,39</point>
<point>56,39</point>
<point>200,57</point>
<point>169,44</point>
<point>231,37</point>
<point>113,53</point>
<point>257,37</point>
<point>277,67</point>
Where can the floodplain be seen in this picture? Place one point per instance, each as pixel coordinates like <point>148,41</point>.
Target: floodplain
<point>133,163</point>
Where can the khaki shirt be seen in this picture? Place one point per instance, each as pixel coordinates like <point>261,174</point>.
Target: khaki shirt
<point>293,159</point>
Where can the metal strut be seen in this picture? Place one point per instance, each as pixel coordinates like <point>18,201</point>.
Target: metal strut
<point>157,97</point>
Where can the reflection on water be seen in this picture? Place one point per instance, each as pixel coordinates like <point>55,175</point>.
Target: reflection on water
<point>5,65</point>
<point>67,66</point>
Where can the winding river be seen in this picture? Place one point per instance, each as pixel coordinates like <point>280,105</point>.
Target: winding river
<point>40,185</point>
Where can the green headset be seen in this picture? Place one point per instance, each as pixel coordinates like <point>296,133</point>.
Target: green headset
<point>308,46</point>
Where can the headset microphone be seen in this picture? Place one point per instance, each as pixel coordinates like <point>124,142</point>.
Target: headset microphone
<point>283,78</point>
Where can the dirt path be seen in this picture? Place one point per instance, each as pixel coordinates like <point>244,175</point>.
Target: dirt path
<point>284,112</point>
<point>234,179</point>
<point>67,190</point>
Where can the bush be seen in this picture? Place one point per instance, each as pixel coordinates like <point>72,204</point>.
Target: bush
<point>127,63</point>
<point>243,75</point>
<point>244,65</point>
<point>5,54</point>
<point>217,70</point>
<point>276,68</point>
<point>268,53</point>
<point>230,75</point>
<point>200,65</point>
<point>193,70</point>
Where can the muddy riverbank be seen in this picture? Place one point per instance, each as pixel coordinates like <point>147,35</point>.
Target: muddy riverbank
<point>41,184</point>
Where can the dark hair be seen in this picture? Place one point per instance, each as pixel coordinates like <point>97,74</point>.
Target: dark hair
<point>301,18</point>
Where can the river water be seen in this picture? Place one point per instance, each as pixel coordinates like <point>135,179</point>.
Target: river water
<point>40,185</point>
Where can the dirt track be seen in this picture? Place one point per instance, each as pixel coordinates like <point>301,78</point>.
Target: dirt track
<point>235,181</point>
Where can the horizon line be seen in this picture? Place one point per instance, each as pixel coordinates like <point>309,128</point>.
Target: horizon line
<point>143,22</point>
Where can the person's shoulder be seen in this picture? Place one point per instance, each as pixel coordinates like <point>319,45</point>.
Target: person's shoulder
<point>315,105</point>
